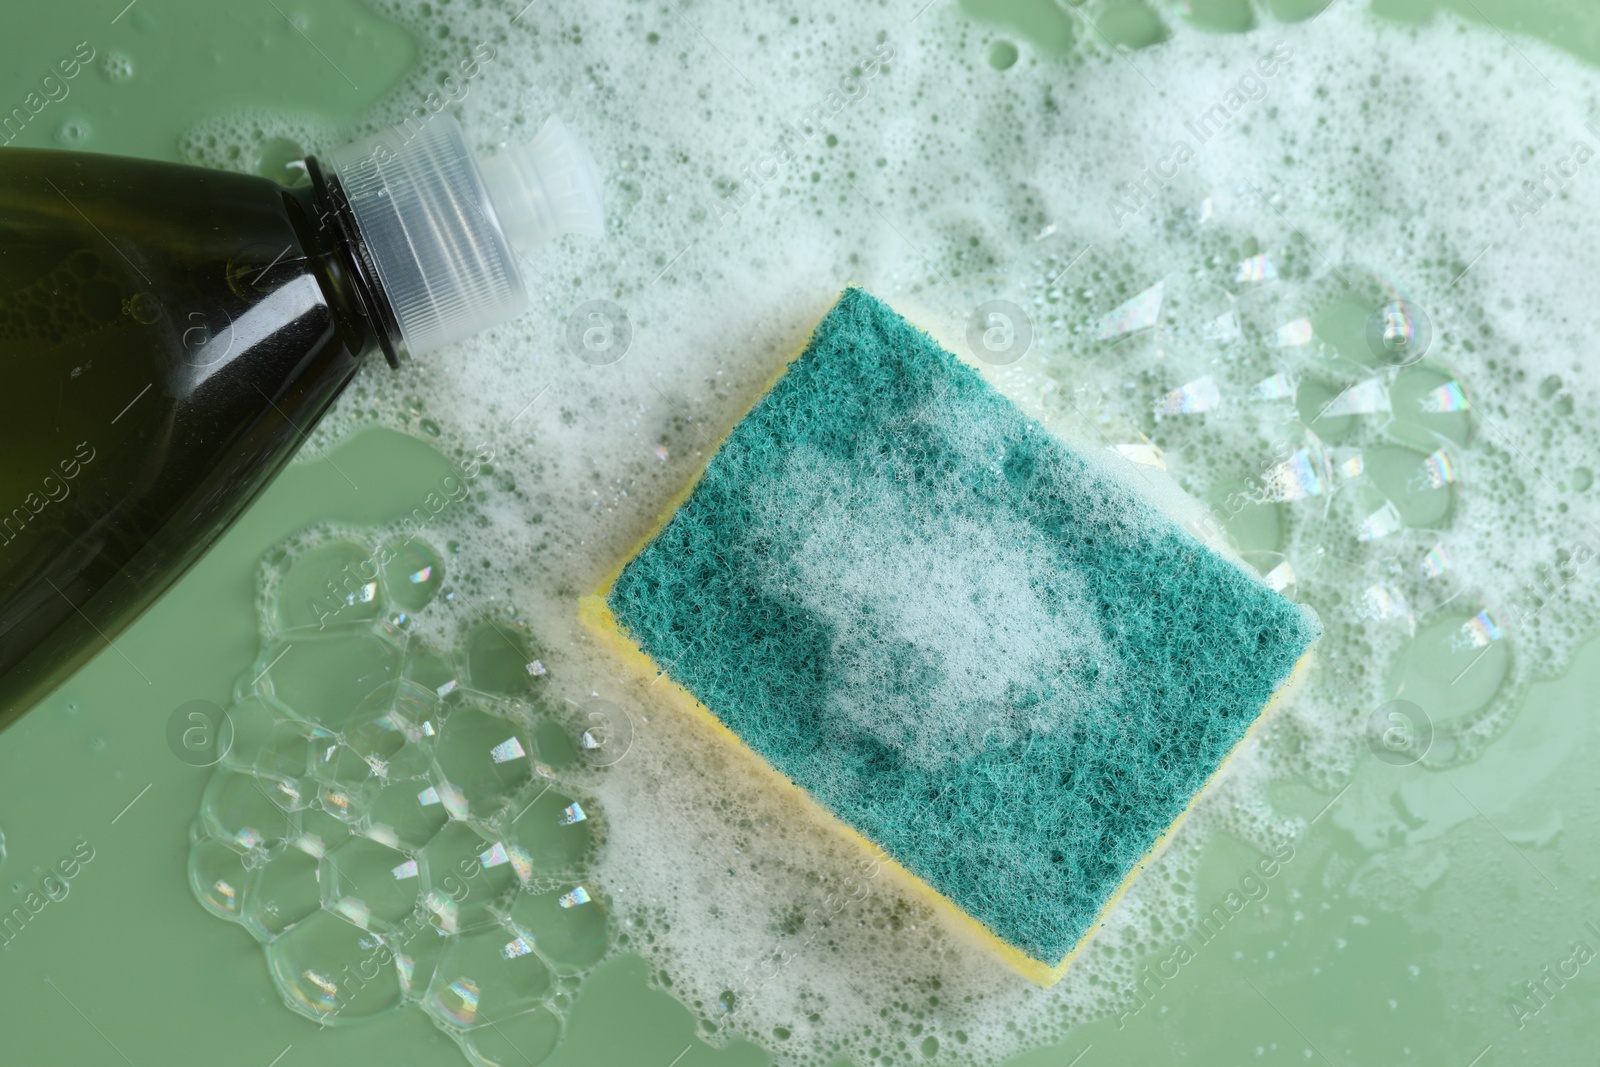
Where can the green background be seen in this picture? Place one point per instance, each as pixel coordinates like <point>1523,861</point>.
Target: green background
<point>1414,907</point>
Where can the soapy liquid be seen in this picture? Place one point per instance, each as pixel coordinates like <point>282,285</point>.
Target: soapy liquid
<point>1250,326</point>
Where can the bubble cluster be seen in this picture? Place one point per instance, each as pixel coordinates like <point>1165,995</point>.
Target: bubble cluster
<point>396,823</point>
<point>1366,363</point>
<point>117,66</point>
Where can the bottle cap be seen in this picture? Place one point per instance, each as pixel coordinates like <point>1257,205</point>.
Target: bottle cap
<point>545,188</point>
<point>443,233</point>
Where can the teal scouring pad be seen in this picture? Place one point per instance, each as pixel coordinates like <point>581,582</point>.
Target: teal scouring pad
<point>962,637</point>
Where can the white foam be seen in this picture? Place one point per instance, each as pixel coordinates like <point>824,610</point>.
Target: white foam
<point>940,624</point>
<point>750,176</point>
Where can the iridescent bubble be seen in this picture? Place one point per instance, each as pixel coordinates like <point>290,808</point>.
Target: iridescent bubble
<point>466,874</point>
<point>1399,333</point>
<point>413,573</point>
<point>323,677</point>
<point>317,832</point>
<point>219,878</point>
<point>332,971</point>
<point>1139,313</point>
<point>394,729</point>
<point>332,582</point>
<point>1443,399</point>
<point>484,755</point>
<point>1276,387</point>
<point>1455,665</point>
<point>568,924</point>
<point>1433,400</point>
<point>1258,268</point>
<point>1420,488</point>
<point>239,809</point>
<point>1291,334</point>
<point>1380,523</point>
<point>417,952</point>
<point>284,892</point>
<point>549,835</point>
<point>487,976</point>
<point>501,658</point>
<point>1193,398</point>
<point>371,884</point>
<point>524,1039</point>
<point>355,818</point>
<point>1382,601</point>
<point>406,814</point>
<point>1304,473</point>
<point>1363,398</point>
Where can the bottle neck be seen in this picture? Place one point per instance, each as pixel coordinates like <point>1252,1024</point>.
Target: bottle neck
<point>353,274</point>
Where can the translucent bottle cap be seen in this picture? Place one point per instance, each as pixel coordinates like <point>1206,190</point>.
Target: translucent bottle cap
<point>442,234</point>
<point>545,188</point>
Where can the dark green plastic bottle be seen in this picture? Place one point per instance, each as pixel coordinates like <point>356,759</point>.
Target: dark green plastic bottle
<point>170,334</point>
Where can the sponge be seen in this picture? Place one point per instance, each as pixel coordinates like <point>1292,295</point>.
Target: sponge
<point>963,638</point>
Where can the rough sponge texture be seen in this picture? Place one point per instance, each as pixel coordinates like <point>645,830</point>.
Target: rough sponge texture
<point>954,631</point>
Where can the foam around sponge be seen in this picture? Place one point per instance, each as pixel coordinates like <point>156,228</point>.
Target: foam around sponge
<point>954,631</point>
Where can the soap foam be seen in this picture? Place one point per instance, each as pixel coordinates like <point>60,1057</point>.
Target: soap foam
<point>1379,164</point>
<point>933,614</point>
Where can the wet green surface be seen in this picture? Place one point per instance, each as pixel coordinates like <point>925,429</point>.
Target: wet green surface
<point>1405,929</point>
<point>159,67</point>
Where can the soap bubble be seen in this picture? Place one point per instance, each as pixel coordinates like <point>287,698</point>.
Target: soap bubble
<point>72,133</point>
<point>117,66</point>
<point>467,873</point>
<point>1399,333</point>
<point>484,756</point>
<point>382,807</point>
<point>589,480</point>
<point>527,1038</point>
<point>218,877</point>
<point>332,971</point>
<point>283,893</point>
<point>371,884</point>
<point>487,976</point>
<point>568,923</point>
